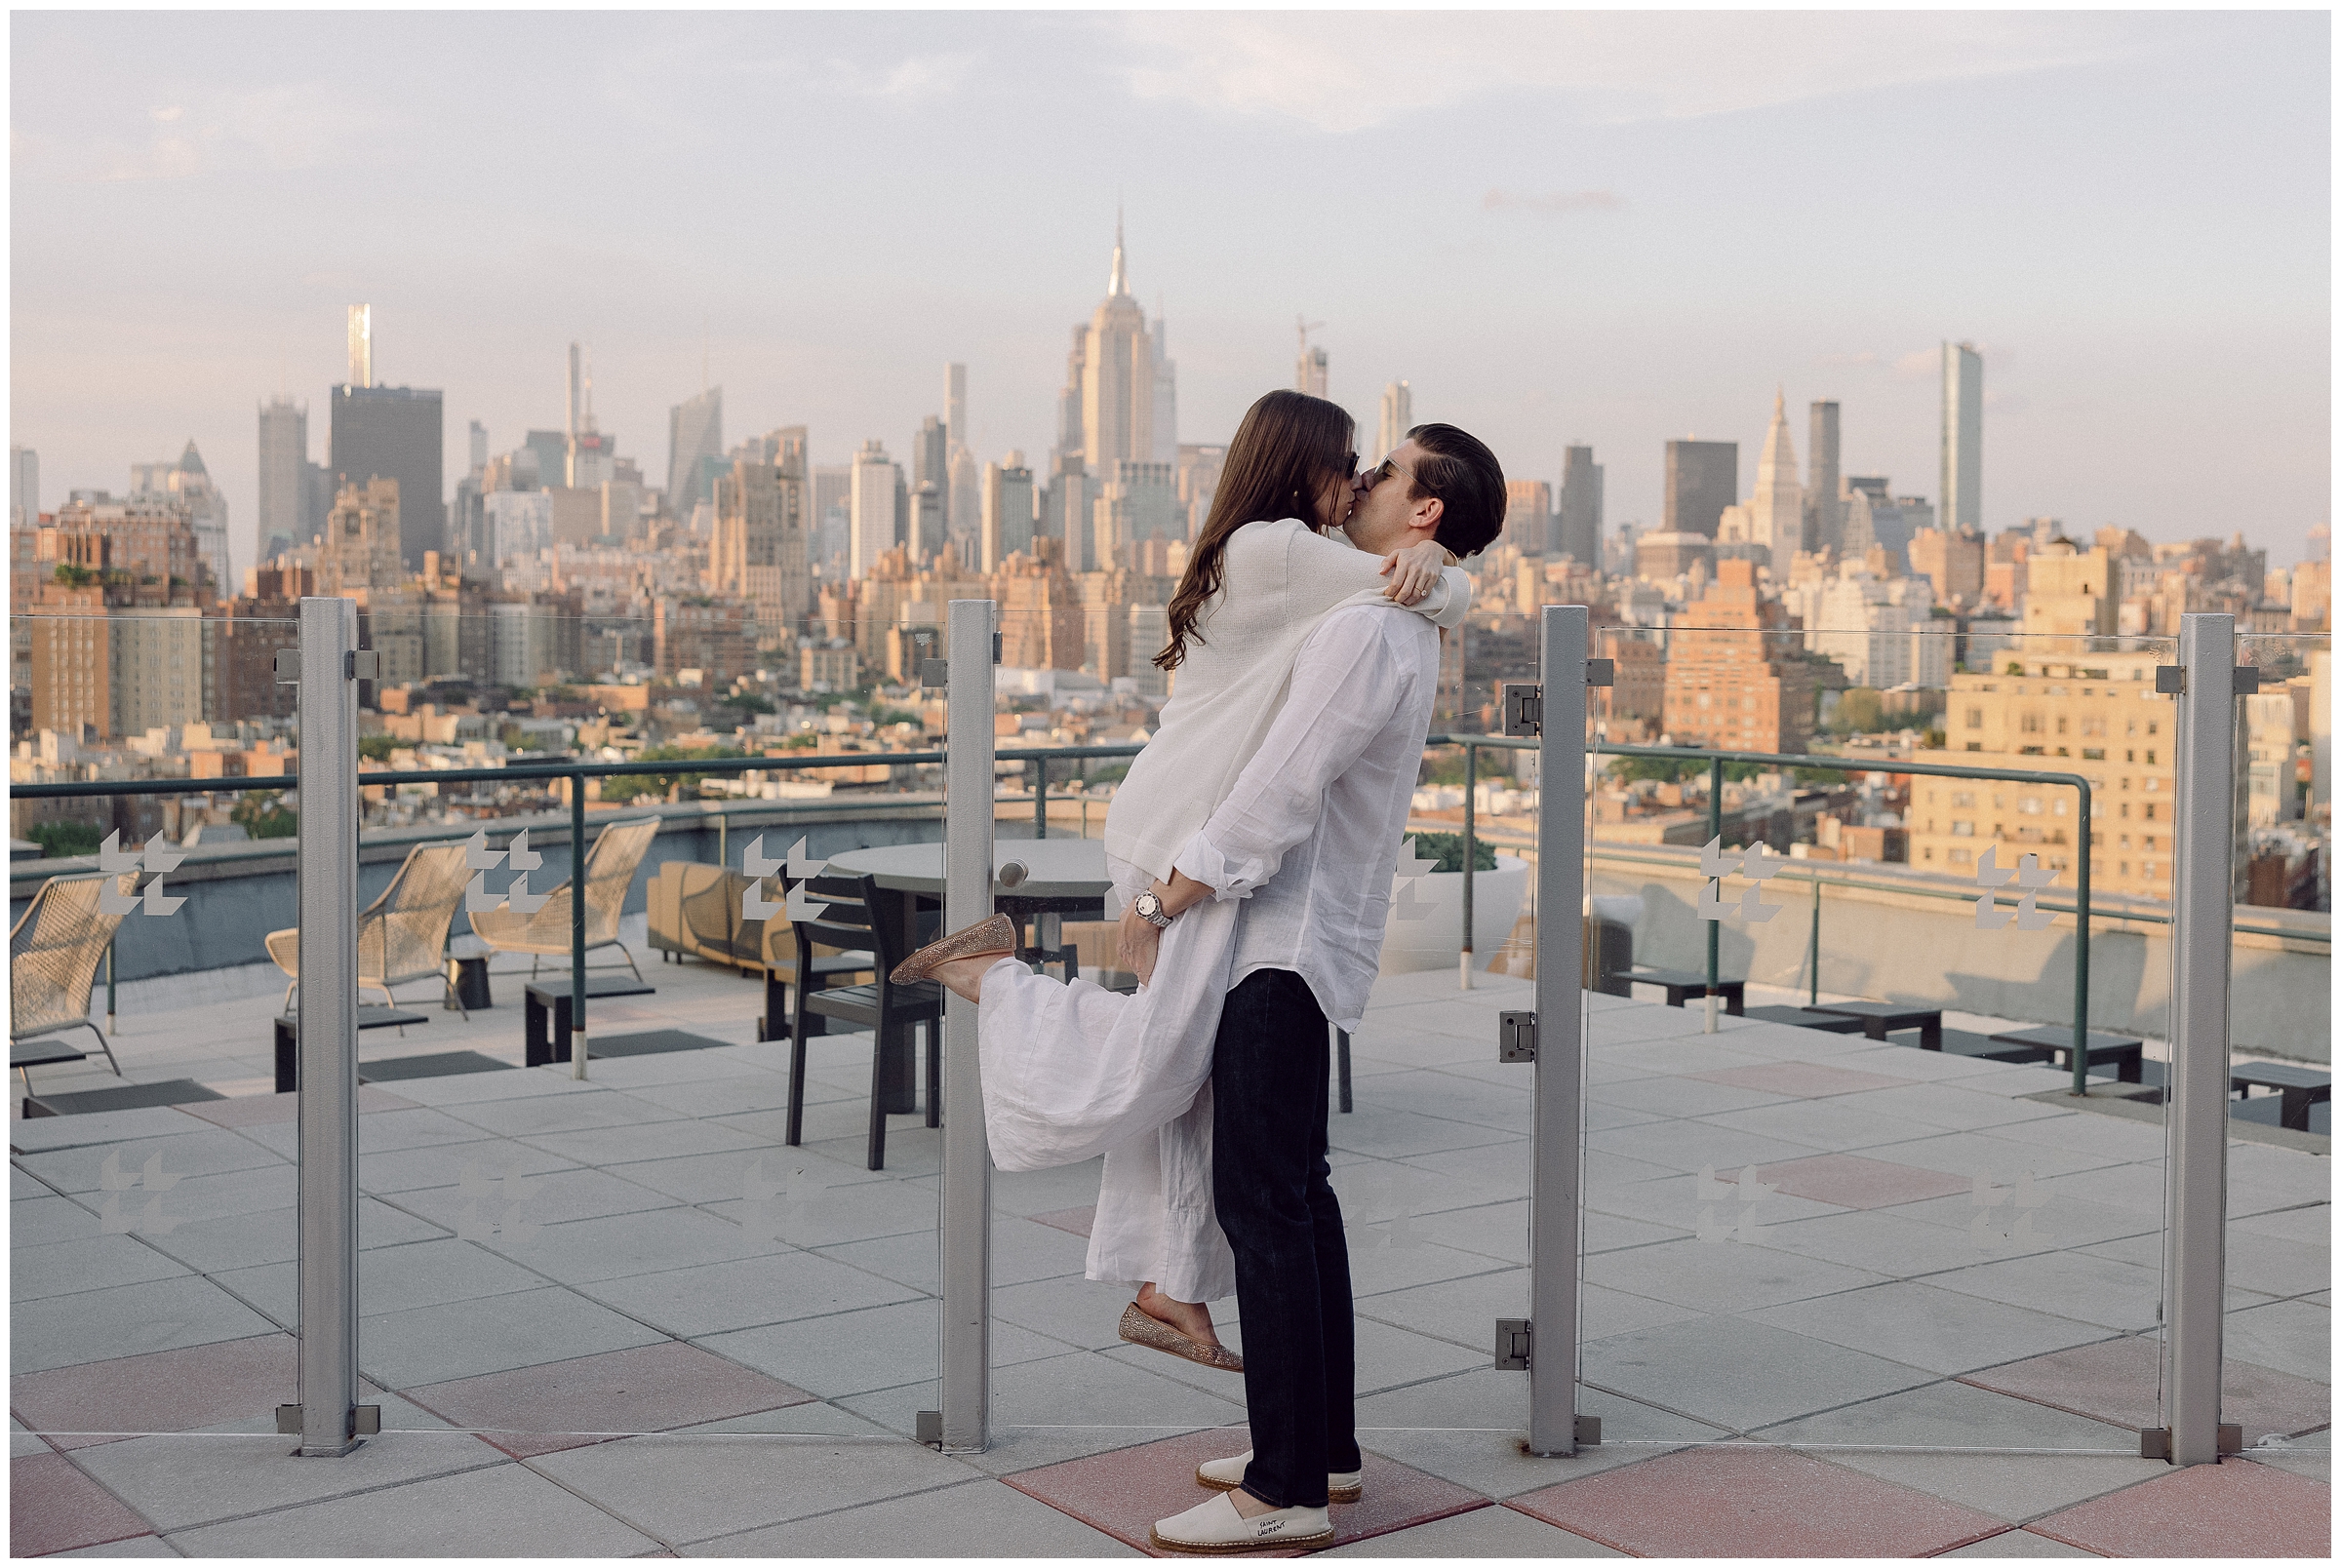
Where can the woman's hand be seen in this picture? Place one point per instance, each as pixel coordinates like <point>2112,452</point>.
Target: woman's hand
<point>1138,942</point>
<point>1413,571</point>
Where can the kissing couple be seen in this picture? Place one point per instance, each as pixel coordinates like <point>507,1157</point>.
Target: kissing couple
<point>1252,849</point>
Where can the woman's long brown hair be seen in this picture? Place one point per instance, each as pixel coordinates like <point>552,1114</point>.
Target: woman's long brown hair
<point>1289,445</point>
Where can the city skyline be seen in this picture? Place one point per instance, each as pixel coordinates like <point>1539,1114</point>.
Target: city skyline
<point>2080,406</point>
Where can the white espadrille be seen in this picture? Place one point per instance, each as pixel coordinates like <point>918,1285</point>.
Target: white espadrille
<point>1226,1474</point>
<point>1214,1526</point>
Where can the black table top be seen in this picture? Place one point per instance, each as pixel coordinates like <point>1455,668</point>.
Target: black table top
<point>610,985</point>
<point>41,1053</point>
<point>2280,1076</point>
<point>1675,977</point>
<point>2057,1038</point>
<point>1889,1010</point>
<point>376,1017</point>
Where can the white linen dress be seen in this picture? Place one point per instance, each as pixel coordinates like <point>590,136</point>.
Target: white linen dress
<point>1073,1071</point>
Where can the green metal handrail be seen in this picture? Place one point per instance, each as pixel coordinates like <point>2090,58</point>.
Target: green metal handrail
<point>1716,758</point>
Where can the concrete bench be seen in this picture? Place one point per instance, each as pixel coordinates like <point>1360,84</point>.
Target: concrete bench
<point>2054,1042</point>
<point>287,1039</point>
<point>2301,1087</point>
<point>1880,1019</point>
<point>548,1003</point>
<point>1805,1018</point>
<point>1680,985</point>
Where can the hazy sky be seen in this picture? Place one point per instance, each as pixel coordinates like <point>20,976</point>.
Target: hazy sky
<point>1613,228</point>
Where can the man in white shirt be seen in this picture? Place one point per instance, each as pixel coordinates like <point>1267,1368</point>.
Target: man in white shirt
<point>1309,839</point>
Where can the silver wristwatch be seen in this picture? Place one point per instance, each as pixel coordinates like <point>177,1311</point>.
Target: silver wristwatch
<point>1150,910</point>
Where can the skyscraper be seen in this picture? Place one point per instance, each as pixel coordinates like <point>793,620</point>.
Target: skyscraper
<point>1824,508</point>
<point>1528,516</point>
<point>1117,376</point>
<point>695,430</point>
<point>1776,511</point>
<point>963,510</point>
<point>1309,370</point>
<point>360,345</point>
<point>394,432</point>
<point>1702,478</point>
<point>284,455</point>
<point>1166,396</point>
<point>23,487</point>
<point>189,485</point>
<point>759,548</point>
<point>1008,514</point>
<point>929,454</point>
<point>1961,493</point>
<point>873,511</point>
<point>1398,418</point>
<point>1578,534</point>
<point>955,405</point>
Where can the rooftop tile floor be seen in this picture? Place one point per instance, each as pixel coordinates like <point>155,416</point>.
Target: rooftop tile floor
<point>620,1316</point>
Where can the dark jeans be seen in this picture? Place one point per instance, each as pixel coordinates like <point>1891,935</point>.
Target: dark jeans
<point>1270,1182</point>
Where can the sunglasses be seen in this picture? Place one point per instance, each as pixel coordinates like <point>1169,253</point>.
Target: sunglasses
<point>1387,468</point>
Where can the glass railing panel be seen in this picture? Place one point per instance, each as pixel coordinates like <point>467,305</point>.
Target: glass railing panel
<point>1855,1203</point>
<point>153,1242</point>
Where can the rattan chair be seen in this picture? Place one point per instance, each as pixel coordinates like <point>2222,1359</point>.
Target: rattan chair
<point>609,868</point>
<point>402,935</point>
<point>53,956</point>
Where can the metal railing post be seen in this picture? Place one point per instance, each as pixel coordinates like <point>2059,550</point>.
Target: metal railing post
<point>1040,797</point>
<point>1471,790</point>
<point>1715,929</point>
<point>2081,942</point>
<point>2194,1127</point>
<point>577,1052</point>
<point>966,1211</point>
<point>326,1023</point>
<point>1813,983</point>
<point>1553,1212</point>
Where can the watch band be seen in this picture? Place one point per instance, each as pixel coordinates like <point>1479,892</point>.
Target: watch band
<point>1153,917</point>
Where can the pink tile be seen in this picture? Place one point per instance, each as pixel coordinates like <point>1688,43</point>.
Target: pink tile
<point>165,1390</point>
<point>573,1404</point>
<point>1852,1181</point>
<point>2116,1381</point>
<point>1754,1501</point>
<point>53,1507</point>
<point>1125,1491</point>
<point>2234,1509</point>
<point>1074,1220</point>
<point>258,1110</point>
<point>1810,1080</point>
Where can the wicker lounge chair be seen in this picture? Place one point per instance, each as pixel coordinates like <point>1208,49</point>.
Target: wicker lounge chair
<point>402,935</point>
<point>609,867</point>
<point>53,956</point>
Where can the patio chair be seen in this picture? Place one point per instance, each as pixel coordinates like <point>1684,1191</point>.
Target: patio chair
<point>609,867</point>
<point>53,953</point>
<point>402,935</point>
<point>853,917</point>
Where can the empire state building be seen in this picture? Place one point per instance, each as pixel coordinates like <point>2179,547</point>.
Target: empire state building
<point>1116,378</point>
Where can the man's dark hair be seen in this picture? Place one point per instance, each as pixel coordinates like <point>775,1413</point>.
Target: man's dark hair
<point>1463,474</point>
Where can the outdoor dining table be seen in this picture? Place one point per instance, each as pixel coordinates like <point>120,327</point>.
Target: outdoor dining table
<point>1059,878</point>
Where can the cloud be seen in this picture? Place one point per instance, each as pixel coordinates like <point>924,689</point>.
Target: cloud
<point>1920,363</point>
<point>1556,203</point>
<point>284,127</point>
<point>1355,72</point>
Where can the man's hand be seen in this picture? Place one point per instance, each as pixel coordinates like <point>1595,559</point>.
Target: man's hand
<point>1413,571</point>
<point>1139,944</point>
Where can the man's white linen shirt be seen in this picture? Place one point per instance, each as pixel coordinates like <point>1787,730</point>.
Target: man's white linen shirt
<point>1309,837</point>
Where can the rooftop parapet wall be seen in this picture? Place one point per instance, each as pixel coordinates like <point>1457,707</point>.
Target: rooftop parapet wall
<point>238,894</point>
